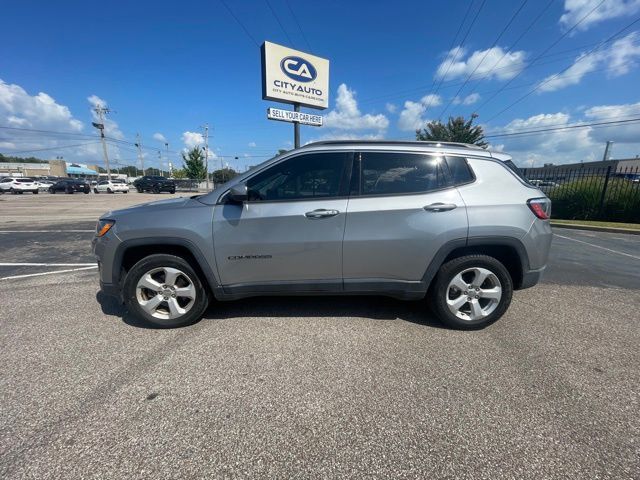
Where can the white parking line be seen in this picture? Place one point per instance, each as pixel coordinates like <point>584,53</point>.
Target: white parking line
<point>47,264</point>
<point>598,246</point>
<point>47,231</point>
<point>48,273</point>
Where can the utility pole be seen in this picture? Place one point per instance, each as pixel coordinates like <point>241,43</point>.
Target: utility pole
<point>101,111</point>
<point>166,144</point>
<point>206,154</point>
<point>140,157</point>
<point>607,151</point>
<point>160,162</point>
<point>296,128</point>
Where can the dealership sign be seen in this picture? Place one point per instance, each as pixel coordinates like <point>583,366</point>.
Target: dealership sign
<point>294,117</point>
<point>291,76</point>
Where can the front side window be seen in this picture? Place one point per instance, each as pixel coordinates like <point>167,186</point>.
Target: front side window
<point>392,173</point>
<point>315,175</point>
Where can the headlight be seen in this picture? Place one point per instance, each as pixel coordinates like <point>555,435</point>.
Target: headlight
<point>103,226</point>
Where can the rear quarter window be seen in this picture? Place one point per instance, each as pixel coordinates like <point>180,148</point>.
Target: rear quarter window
<point>514,168</point>
<point>459,170</point>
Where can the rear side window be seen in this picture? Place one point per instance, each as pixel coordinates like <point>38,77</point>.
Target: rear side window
<point>459,170</point>
<point>391,173</point>
<point>514,168</point>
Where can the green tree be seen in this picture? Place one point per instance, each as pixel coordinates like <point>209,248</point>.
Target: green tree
<point>194,164</point>
<point>179,173</point>
<point>455,130</point>
<point>223,175</point>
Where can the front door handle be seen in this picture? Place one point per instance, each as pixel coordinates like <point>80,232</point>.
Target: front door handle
<point>321,213</point>
<point>440,207</point>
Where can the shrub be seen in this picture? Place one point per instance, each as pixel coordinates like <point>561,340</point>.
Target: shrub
<point>580,200</point>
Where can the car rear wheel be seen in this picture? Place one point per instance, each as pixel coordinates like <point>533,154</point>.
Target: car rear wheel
<point>139,189</point>
<point>12,190</point>
<point>165,291</point>
<point>156,189</point>
<point>471,292</point>
<point>35,192</point>
<point>109,190</point>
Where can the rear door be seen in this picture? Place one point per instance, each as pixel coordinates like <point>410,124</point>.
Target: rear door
<point>289,232</point>
<point>403,208</point>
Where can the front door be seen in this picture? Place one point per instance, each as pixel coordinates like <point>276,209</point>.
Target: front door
<point>289,232</point>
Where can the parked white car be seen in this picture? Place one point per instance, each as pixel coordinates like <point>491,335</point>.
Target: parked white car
<point>111,186</point>
<point>44,184</point>
<point>18,185</point>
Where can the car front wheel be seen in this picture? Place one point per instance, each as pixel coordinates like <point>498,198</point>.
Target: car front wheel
<point>471,292</point>
<point>165,291</point>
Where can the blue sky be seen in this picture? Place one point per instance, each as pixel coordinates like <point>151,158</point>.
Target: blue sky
<point>167,68</point>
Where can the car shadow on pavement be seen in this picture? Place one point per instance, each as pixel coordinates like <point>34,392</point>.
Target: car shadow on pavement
<point>372,307</point>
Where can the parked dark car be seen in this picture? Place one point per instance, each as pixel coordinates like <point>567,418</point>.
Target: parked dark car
<point>70,185</point>
<point>155,184</point>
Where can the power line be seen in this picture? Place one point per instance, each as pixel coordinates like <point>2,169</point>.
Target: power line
<point>279,23</point>
<point>455,55</point>
<point>512,104</point>
<point>295,19</point>
<point>53,148</point>
<point>558,40</point>
<point>566,127</point>
<point>513,45</point>
<point>495,42</point>
<point>240,23</point>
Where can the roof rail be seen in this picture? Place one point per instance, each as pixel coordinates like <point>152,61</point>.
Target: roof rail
<point>397,142</point>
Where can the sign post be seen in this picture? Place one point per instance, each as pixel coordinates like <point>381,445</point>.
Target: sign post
<point>294,77</point>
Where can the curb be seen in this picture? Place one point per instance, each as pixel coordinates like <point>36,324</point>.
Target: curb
<point>595,228</point>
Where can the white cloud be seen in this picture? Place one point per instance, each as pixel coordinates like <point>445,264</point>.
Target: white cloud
<point>391,107</point>
<point>576,10</point>
<point>159,137</point>
<point>571,145</point>
<point>493,62</point>
<point>252,144</point>
<point>621,133</point>
<point>618,59</point>
<point>347,116</point>
<point>41,111</point>
<point>195,139</point>
<point>412,116</point>
<point>468,100</point>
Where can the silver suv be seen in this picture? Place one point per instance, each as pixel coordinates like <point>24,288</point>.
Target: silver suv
<point>453,222</point>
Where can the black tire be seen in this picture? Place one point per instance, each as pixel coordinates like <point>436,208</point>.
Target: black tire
<point>69,191</point>
<point>109,190</point>
<point>12,191</point>
<point>52,190</point>
<point>35,192</point>
<point>156,189</point>
<point>173,191</point>
<point>139,189</point>
<point>193,315</point>
<point>439,292</point>
<point>87,191</point>
<point>95,190</point>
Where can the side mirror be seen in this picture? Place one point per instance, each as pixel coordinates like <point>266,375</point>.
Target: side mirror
<point>239,193</point>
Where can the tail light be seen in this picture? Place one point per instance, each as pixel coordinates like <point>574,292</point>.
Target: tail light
<point>541,207</point>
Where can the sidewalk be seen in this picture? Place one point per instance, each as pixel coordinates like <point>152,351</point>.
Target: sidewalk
<point>595,228</point>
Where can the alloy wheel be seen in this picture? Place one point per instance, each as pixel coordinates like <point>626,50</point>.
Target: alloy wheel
<point>165,293</point>
<point>474,293</point>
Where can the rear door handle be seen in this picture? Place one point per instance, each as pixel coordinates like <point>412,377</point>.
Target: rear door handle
<point>440,207</point>
<point>321,213</point>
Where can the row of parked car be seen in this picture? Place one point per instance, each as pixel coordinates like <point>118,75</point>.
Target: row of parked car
<point>19,185</point>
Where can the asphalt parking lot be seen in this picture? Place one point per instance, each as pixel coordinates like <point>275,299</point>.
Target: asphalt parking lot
<point>334,387</point>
